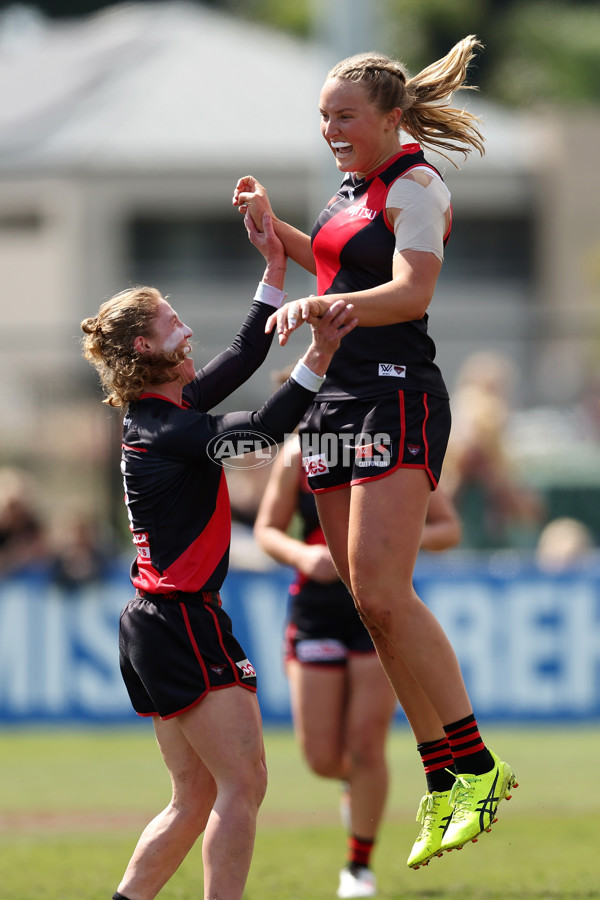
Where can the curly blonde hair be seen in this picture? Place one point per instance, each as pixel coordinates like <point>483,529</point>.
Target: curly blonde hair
<point>424,99</point>
<point>108,345</point>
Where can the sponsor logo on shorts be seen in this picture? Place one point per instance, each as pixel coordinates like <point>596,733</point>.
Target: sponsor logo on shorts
<point>391,370</point>
<point>246,667</point>
<point>372,455</point>
<point>322,452</point>
<point>315,465</point>
<point>227,448</point>
<point>324,650</point>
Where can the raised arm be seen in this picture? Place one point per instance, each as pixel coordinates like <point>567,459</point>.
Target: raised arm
<point>251,197</point>
<point>246,353</point>
<point>282,412</point>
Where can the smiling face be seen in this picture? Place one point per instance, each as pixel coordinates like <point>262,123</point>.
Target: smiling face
<point>361,137</point>
<point>170,334</point>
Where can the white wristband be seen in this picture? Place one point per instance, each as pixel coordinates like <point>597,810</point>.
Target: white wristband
<point>306,378</point>
<point>272,296</point>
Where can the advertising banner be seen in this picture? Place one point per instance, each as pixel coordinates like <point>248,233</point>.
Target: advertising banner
<point>528,643</point>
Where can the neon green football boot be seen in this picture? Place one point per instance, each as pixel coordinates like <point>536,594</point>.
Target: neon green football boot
<point>474,800</point>
<point>434,814</point>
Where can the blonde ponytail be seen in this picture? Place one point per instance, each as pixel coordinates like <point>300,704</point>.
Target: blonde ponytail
<point>425,99</point>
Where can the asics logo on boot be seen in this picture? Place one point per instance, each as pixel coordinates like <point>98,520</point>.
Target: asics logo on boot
<point>443,826</point>
<point>487,806</point>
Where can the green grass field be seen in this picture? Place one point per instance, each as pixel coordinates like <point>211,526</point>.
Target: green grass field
<point>72,804</point>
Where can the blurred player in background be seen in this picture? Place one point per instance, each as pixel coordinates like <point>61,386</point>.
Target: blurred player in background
<point>342,701</point>
<point>180,661</point>
<point>380,242</point>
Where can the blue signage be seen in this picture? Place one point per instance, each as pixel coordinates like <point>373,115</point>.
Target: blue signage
<point>528,642</point>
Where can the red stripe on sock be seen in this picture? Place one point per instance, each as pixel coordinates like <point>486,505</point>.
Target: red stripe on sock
<point>359,850</point>
<point>470,751</point>
<point>474,736</point>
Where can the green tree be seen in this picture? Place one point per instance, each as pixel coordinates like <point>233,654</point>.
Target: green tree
<point>552,55</point>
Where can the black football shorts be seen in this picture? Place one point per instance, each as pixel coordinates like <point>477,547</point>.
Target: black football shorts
<point>324,627</point>
<point>347,442</point>
<point>174,649</point>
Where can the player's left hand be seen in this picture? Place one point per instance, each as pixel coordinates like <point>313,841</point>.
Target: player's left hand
<point>293,314</point>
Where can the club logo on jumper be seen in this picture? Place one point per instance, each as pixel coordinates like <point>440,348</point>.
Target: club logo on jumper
<point>392,370</point>
<point>226,448</point>
<point>315,465</point>
<point>141,544</point>
<point>413,449</point>
<point>247,669</point>
<point>362,212</point>
<point>372,455</point>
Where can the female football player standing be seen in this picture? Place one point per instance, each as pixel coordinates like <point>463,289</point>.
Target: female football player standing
<point>380,243</point>
<point>180,661</point>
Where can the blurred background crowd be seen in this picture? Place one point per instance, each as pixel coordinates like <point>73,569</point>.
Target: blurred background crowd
<point>123,129</point>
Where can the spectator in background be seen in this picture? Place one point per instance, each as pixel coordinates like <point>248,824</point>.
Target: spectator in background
<point>564,544</point>
<point>496,508</point>
<point>22,533</point>
<point>79,553</point>
<point>342,701</point>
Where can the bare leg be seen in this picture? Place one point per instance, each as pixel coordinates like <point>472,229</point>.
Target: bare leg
<point>318,698</point>
<point>341,719</point>
<point>215,756</point>
<point>167,839</point>
<point>376,557</point>
<point>334,513</point>
<point>382,557</point>
<point>370,708</point>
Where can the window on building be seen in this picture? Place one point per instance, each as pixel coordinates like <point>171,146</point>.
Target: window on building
<point>187,248</point>
<point>498,249</point>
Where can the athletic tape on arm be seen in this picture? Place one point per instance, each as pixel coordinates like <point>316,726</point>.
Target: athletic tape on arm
<point>421,222</point>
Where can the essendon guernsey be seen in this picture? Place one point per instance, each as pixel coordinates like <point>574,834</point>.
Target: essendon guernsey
<point>176,494</point>
<point>353,246</point>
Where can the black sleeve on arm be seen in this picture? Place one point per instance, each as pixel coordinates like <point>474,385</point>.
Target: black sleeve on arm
<point>226,372</point>
<point>276,419</point>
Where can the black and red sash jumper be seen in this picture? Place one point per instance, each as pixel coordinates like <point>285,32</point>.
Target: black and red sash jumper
<point>176,641</point>
<point>353,246</point>
<point>176,494</point>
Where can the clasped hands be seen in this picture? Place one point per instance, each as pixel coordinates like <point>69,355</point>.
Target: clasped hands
<point>292,315</point>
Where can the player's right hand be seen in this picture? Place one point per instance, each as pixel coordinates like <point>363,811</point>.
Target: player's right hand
<point>265,240</point>
<point>250,196</point>
<point>316,563</point>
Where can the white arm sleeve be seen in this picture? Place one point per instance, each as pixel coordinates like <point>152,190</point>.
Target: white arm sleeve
<point>421,223</point>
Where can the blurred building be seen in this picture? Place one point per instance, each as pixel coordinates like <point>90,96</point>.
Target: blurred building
<point>122,135</point>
